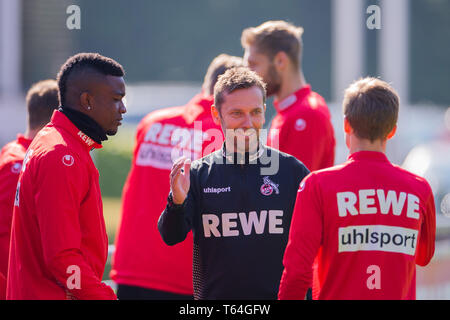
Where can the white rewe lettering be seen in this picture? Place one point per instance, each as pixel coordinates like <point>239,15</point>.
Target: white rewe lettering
<point>365,202</point>
<point>391,200</point>
<point>371,201</point>
<point>210,225</point>
<point>346,202</point>
<point>152,132</point>
<point>275,221</point>
<point>85,138</point>
<point>164,137</point>
<point>253,221</point>
<point>227,224</point>
<point>413,207</point>
<point>270,220</point>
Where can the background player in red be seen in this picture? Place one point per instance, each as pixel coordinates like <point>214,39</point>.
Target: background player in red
<point>302,126</point>
<point>59,244</point>
<point>41,100</point>
<point>144,266</point>
<point>368,221</point>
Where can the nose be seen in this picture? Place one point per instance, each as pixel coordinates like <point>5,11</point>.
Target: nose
<point>247,122</point>
<point>122,108</point>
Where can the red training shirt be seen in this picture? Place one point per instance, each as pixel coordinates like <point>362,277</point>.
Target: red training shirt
<point>302,128</point>
<point>11,157</point>
<point>142,258</point>
<point>59,244</point>
<point>369,222</point>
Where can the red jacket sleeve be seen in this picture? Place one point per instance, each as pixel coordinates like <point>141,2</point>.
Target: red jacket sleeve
<point>310,138</point>
<point>60,192</point>
<point>8,184</point>
<point>425,248</point>
<point>305,237</point>
<point>2,287</point>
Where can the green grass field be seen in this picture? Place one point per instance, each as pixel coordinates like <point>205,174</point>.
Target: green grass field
<point>111,212</point>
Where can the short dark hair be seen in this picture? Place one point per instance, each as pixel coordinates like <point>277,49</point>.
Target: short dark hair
<point>217,67</point>
<point>234,79</point>
<point>371,107</point>
<point>41,100</point>
<point>85,61</point>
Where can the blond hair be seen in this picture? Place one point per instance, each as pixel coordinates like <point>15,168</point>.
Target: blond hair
<point>272,37</point>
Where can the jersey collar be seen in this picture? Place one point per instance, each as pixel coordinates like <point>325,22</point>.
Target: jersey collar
<point>231,156</point>
<point>290,100</point>
<point>60,120</point>
<point>368,156</point>
<point>199,104</point>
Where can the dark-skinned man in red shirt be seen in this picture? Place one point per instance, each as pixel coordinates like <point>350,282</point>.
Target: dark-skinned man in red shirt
<point>58,242</point>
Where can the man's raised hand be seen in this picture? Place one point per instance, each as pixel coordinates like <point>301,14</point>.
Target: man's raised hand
<point>179,180</point>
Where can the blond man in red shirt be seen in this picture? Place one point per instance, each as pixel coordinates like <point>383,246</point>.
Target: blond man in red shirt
<point>302,125</point>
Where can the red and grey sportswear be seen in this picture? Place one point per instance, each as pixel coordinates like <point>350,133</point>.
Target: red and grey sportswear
<point>11,158</point>
<point>59,244</point>
<point>302,128</point>
<point>369,222</point>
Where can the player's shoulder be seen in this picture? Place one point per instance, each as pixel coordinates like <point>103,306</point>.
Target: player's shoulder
<point>286,160</point>
<point>163,115</point>
<point>160,117</point>
<point>328,175</point>
<point>207,161</point>
<point>315,100</point>
<point>282,155</point>
<point>11,152</point>
<point>54,147</point>
<point>410,178</point>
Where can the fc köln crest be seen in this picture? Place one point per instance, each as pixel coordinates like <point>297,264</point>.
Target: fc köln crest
<point>268,187</point>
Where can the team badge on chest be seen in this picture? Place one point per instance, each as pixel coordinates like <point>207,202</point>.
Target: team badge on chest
<point>268,187</point>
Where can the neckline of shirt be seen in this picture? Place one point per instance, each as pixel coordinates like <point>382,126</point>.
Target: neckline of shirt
<point>290,100</point>
<point>61,120</point>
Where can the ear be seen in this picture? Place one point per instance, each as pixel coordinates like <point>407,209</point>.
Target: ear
<point>347,127</point>
<point>392,133</point>
<point>215,115</point>
<point>281,60</point>
<point>264,121</point>
<point>84,101</point>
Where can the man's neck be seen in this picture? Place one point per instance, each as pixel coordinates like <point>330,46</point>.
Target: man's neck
<point>357,145</point>
<point>291,82</point>
<point>31,133</point>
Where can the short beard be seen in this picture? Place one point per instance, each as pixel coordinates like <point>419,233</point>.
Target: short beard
<point>111,132</point>
<point>273,81</point>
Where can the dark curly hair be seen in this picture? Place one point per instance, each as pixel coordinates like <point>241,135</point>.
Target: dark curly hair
<point>82,62</point>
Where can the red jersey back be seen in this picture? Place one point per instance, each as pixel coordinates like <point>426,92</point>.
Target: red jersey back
<point>11,158</point>
<point>369,221</point>
<point>302,128</point>
<point>59,244</point>
<point>142,258</point>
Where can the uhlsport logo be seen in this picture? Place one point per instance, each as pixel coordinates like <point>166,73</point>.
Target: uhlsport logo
<point>268,187</point>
